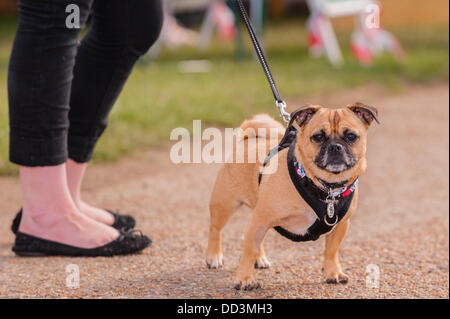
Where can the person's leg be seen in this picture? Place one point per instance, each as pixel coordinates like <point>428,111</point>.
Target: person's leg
<point>50,213</point>
<point>75,175</point>
<point>39,84</point>
<point>120,33</point>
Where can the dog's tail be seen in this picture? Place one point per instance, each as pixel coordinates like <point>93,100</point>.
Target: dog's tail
<point>261,125</point>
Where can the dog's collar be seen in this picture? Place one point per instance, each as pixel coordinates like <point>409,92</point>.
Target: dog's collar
<point>329,190</point>
<point>330,205</point>
<point>332,186</point>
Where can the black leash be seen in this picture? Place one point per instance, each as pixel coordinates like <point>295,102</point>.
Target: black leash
<point>280,103</point>
<point>316,198</point>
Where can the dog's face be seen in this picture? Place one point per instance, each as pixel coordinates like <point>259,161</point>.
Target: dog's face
<point>332,143</point>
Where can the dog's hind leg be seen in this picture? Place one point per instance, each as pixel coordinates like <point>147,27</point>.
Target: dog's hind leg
<point>261,261</point>
<point>223,204</point>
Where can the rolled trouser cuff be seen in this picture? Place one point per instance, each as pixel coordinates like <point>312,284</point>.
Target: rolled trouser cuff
<point>38,151</point>
<point>81,148</point>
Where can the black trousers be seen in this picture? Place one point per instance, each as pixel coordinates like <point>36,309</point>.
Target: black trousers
<point>61,90</point>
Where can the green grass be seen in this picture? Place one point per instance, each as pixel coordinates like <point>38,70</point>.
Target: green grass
<point>158,98</point>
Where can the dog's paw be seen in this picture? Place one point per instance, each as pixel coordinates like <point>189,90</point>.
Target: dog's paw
<point>214,261</point>
<point>337,278</point>
<point>262,263</point>
<point>247,284</point>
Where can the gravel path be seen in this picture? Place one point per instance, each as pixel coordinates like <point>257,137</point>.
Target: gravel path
<point>401,226</point>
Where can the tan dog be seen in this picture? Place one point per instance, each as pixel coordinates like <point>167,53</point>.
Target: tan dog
<point>331,146</point>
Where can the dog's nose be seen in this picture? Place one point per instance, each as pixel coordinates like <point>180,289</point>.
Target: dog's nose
<point>335,148</point>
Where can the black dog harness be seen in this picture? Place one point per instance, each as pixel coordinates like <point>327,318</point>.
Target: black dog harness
<point>330,207</point>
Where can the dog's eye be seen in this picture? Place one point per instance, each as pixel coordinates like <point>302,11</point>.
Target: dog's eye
<point>318,138</point>
<point>350,137</point>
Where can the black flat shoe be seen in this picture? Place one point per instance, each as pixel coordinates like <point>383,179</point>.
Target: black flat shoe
<point>129,242</point>
<point>121,222</point>
<point>125,222</point>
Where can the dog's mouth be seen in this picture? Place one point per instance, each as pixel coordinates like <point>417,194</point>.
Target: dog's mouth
<point>336,167</point>
<point>335,156</point>
<point>335,163</point>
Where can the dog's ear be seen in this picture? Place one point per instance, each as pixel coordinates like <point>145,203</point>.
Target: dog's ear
<point>364,112</point>
<point>302,115</point>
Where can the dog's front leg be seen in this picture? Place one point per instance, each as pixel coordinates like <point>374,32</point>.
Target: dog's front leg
<point>332,267</point>
<point>252,243</point>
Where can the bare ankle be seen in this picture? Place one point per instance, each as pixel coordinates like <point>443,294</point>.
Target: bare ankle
<point>47,218</point>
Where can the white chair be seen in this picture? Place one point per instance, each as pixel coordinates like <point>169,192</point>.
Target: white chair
<point>322,11</point>
<point>208,26</point>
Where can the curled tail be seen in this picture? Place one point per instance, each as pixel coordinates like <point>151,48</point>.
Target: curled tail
<point>261,125</point>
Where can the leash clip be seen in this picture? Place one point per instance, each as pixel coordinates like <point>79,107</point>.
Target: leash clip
<point>281,105</point>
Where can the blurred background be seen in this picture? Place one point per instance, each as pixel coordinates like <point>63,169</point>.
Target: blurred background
<point>203,66</point>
